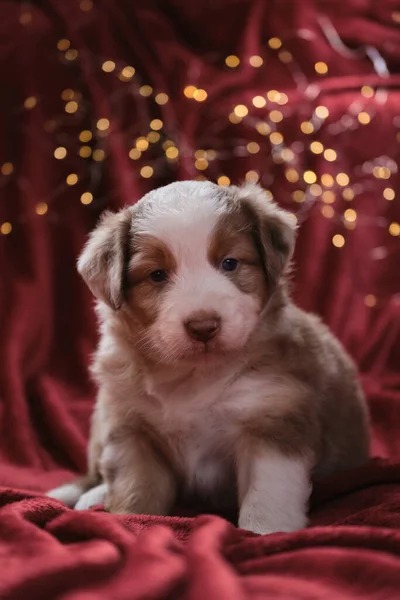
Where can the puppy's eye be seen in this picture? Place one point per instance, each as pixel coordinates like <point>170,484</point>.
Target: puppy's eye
<point>158,276</point>
<point>229,264</point>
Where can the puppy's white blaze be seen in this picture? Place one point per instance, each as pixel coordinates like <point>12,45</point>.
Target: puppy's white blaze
<point>278,490</point>
<point>68,493</point>
<point>93,497</point>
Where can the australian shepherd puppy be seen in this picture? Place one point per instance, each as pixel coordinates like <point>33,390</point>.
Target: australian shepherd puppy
<point>211,381</point>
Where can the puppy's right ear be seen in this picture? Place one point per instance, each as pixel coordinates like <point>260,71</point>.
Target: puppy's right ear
<point>104,259</point>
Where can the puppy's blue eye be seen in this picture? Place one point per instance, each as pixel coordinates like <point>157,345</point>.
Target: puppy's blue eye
<point>158,276</point>
<point>229,264</point>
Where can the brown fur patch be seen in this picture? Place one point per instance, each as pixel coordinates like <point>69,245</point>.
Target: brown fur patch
<point>232,238</point>
<point>144,295</point>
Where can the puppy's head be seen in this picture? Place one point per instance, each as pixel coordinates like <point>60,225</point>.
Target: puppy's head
<point>190,267</point>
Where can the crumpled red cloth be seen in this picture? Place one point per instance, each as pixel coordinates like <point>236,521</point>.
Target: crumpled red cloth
<point>47,325</point>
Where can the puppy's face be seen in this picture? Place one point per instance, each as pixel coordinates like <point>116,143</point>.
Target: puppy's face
<point>190,267</point>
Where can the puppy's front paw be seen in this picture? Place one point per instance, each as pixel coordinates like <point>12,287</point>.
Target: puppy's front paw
<point>264,523</point>
<point>96,495</point>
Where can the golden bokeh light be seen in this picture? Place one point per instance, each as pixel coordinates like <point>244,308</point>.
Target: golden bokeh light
<point>85,151</point>
<point>232,61</point>
<point>71,107</point>
<point>322,112</point>
<point>85,135</point>
<point>364,118</point>
<point>256,61</point>
<point>252,176</point>
<point>275,43</point>
<point>321,68</point>
<point>87,198</point>
<point>146,90</point>
<point>60,153</point>
<point>6,228</point>
<point>350,215</point>
<point>292,175</point>
<point>103,124</point>
<point>276,116</point>
<point>108,66</point>
<point>342,179</point>
<point>72,179</point>
<point>142,143</point>
<point>7,168</point>
<point>146,172</point>
<point>309,177</point>
<point>389,194</point>
<point>263,128</point>
<point>348,194</point>
<point>298,196</point>
<point>330,155</point>
<point>134,154</point>
<point>276,138</point>
<point>41,208</point>
<point>241,110</point>
<point>259,101</point>
<point>223,180</point>
<point>161,98</point>
<point>316,147</point>
<point>30,102</point>
<point>253,148</point>
<point>172,152</point>
<point>156,124</point>
<point>328,212</point>
<point>189,91</point>
<point>307,127</point>
<point>338,241</point>
<point>200,95</point>
<point>394,229</point>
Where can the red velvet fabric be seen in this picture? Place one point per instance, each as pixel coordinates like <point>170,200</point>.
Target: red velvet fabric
<point>47,326</point>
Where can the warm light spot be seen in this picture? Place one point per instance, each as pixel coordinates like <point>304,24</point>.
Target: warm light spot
<point>298,196</point>
<point>364,117</point>
<point>108,66</point>
<point>273,95</point>
<point>41,208</point>
<point>63,45</point>
<point>370,300</point>
<point>86,5</point>
<point>156,124</point>
<point>71,107</point>
<point>6,228</point>
<point>322,112</point>
<point>321,68</point>
<point>307,127</point>
<point>327,211</point>
<point>309,177</point>
<point>223,180</point>
<point>398,136</point>
<point>263,128</point>
<point>275,43</point>
<point>256,61</point>
<point>98,155</point>
<point>201,164</point>
<point>276,138</point>
<point>85,135</point>
<point>72,179</point>
<point>172,153</point>
<point>7,168</point>
<point>169,143</point>
<point>315,190</point>
<point>25,18</point>
<point>259,101</point>
<point>367,91</point>
<point>71,54</point>
<point>327,180</point>
<point>252,176</point>
<point>134,153</point>
<point>146,90</point>
<point>350,215</point>
<point>396,16</point>
<point>146,172</point>
<point>67,94</point>
<point>316,147</point>
<point>381,172</point>
<point>394,229</point>
<point>287,154</point>
<point>60,152</point>
<point>291,175</point>
<point>338,240</point>
<point>253,148</point>
<point>328,197</point>
<point>285,57</point>
<point>241,110</point>
<point>348,194</point>
<point>30,102</point>
<point>232,61</point>
<point>127,73</point>
<point>330,155</point>
<point>200,95</point>
<point>342,179</point>
<point>85,151</point>
<point>189,91</point>
<point>282,98</point>
<point>276,116</point>
<point>234,118</point>
<point>161,98</point>
<point>142,144</point>
<point>86,198</point>
<point>103,124</point>
<point>211,154</point>
<point>389,194</point>
<point>153,137</point>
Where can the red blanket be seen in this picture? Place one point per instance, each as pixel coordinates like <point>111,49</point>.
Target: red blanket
<point>103,101</point>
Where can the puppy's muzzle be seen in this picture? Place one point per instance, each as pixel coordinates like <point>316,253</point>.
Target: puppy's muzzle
<point>203,329</point>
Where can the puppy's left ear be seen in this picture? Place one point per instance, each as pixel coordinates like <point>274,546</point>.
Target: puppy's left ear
<point>274,230</point>
<point>104,259</point>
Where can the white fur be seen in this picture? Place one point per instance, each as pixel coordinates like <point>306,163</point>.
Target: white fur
<point>68,493</point>
<point>93,497</point>
<point>278,489</point>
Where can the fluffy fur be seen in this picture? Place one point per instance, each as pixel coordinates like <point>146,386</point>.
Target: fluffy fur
<point>211,381</point>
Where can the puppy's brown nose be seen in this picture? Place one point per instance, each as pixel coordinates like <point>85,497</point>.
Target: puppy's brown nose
<point>203,330</point>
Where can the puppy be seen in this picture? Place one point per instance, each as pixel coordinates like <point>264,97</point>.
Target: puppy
<point>212,383</point>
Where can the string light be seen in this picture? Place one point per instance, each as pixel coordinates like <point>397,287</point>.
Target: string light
<point>30,102</point>
<point>322,112</point>
<point>87,198</point>
<point>327,212</point>
<point>327,180</point>
<point>338,240</point>
<point>328,197</point>
<point>348,194</point>
<point>71,107</point>
<point>364,118</point>
<point>241,110</point>
<point>298,196</point>
<point>41,208</point>
<point>370,300</point>
<point>172,153</point>
<point>256,61</point>
<point>275,43</point>
<point>394,229</point>
<point>350,215</point>
<point>342,179</point>
<point>108,66</point>
<point>103,124</point>
<point>63,45</point>
<point>330,155</point>
<point>201,164</point>
<point>389,194</point>
<point>316,147</point>
<point>189,91</point>
<point>153,137</point>
<point>142,144</point>
<point>252,176</point>
<point>85,136</point>
<point>292,175</point>
<point>127,73</point>
<point>85,151</point>
<point>253,148</point>
<point>223,180</point>
<point>259,101</point>
<point>134,154</point>
<point>273,95</point>
<point>307,127</point>
<point>367,91</point>
<point>232,61</point>
<point>7,168</point>
<point>263,128</point>
<point>315,190</point>
<point>321,68</point>
<point>156,124</point>
<point>161,98</point>
<point>146,172</point>
<point>285,56</point>
<point>276,116</point>
<point>200,95</point>
<point>72,179</point>
<point>60,152</point>
<point>98,155</point>
<point>276,138</point>
<point>71,54</point>
<point>309,177</point>
<point>6,228</point>
<point>67,94</point>
<point>146,90</point>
